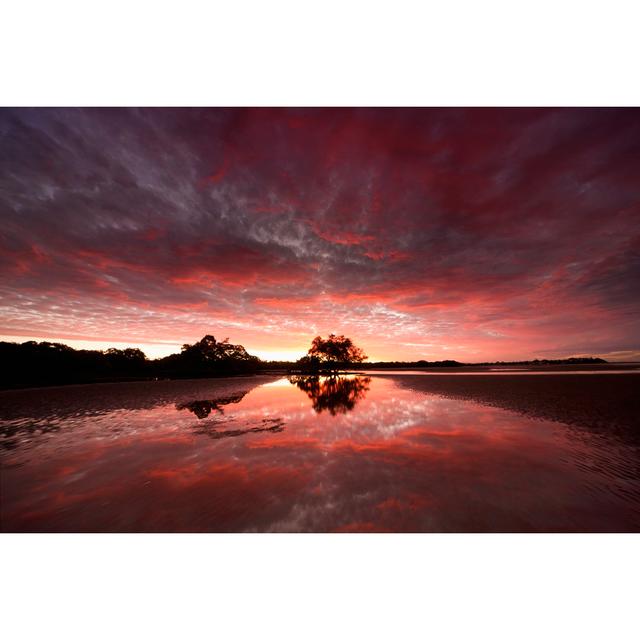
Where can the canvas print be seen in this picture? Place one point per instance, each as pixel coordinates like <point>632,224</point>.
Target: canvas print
<point>320,320</point>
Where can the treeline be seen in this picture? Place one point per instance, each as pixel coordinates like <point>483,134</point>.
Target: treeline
<point>418,364</point>
<point>583,360</point>
<point>454,363</point>
<point>51,363</point>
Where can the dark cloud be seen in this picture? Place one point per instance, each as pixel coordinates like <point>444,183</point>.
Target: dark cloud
<point>487,232</point>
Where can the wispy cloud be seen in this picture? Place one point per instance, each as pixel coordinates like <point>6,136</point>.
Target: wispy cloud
<point>421,232</point>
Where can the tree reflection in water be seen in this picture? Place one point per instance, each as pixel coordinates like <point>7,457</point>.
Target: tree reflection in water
<point>267,425</point>
<point>335,394</point>
<point>202,408</point>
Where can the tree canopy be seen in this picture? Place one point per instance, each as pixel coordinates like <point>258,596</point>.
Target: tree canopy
<point>335,350</point>
<point>209,350</point>
<point>208,357</point>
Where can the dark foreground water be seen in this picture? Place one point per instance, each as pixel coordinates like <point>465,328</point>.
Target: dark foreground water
<point>357,453</point>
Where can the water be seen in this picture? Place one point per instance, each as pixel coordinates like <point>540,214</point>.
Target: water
<point>358,453</point>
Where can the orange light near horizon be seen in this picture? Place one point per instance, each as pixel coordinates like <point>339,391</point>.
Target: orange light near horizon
<point>279,354</point>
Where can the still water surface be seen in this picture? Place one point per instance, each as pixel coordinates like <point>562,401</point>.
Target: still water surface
<point>356,453</point>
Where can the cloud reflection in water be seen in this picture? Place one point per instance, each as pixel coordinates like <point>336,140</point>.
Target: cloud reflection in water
<point>363,455</point>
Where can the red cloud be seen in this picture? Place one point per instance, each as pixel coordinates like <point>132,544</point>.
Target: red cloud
<point>484,233</point>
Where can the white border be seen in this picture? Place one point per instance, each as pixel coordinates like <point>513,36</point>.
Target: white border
<point>335,52</point>
<point>319,586</point>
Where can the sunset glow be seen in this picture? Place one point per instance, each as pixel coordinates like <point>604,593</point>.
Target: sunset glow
<point>468,234</point>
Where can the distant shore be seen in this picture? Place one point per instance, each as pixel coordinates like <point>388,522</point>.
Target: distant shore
<point>512,368</point>
<point>458,371</point>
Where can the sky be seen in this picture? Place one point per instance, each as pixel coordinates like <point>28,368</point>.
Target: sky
<point>468,234</point>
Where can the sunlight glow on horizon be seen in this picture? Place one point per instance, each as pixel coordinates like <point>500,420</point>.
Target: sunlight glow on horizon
<point>155,350</point>
<point>290,355</point>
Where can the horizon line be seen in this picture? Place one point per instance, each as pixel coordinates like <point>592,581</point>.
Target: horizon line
<point>3,338</point>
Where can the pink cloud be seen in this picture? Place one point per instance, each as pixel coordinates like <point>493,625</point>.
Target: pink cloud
<point>479,234</point>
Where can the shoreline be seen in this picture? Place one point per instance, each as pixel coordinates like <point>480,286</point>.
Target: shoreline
<point>488,370</point>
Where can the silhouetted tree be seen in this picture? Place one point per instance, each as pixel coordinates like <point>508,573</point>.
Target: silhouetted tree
<point>126,361</point>
<point>310,364</point>
<point>208,357</point>
<point>335,350</point>
<point>130,355</point>
<point>209,350</point>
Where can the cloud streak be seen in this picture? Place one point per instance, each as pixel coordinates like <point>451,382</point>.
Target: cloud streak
<point>478,233</point>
